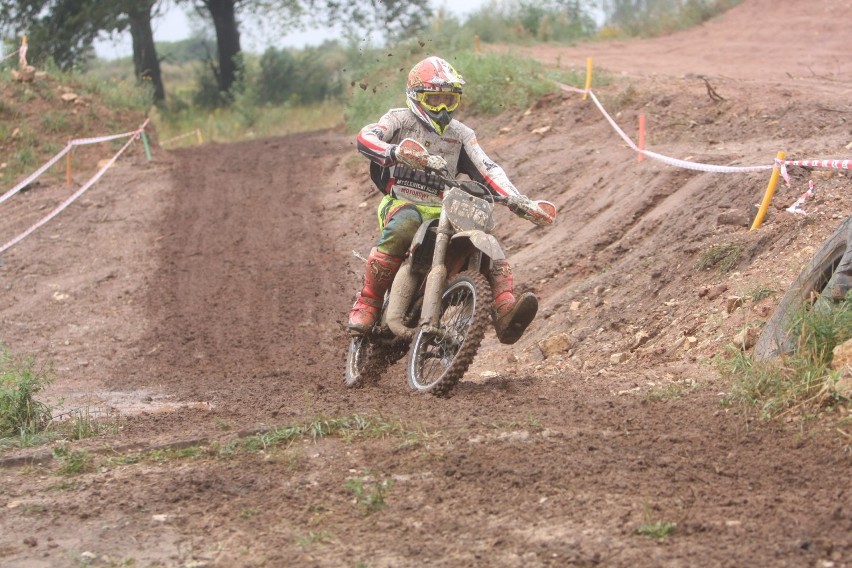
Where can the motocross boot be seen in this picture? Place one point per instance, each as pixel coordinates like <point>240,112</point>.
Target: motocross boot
<point>381,268</point>
<point>511,315</point>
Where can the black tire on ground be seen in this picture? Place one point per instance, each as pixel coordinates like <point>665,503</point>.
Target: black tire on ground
<point>827,277</point>
<point>437,363</point>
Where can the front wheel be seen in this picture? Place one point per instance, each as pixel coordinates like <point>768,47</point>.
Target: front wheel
<point>439,360</point>
<point>358,360</point>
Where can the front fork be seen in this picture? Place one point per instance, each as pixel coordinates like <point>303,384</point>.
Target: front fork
<point>436,280</point>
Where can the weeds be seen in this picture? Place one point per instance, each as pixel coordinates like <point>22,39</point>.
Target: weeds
<point>73,462</point>
<point>658,529</point>
<point>724,256</point>
<point>346,428</point>
<point>369,495</point>
<point>760,293</point>
<point>322,537</point>
<point>21,415</point>
<point>801,379</point>
<point>672,390</point>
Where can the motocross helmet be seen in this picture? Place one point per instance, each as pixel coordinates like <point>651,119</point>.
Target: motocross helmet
<point>434,91</point>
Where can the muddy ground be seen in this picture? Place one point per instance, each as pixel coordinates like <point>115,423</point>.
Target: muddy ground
<point>200,298</point>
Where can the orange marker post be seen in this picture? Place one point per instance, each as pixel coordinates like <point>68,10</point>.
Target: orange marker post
<point>68,167</point>
<point>588,77</point>
<point>640,156</point>
<point>770,191</point>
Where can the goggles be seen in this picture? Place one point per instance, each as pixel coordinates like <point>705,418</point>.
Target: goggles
<point>438,100</point>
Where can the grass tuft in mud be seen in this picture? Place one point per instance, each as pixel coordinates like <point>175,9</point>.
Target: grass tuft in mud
<point>803,380</point>
<point>23,419</point>
<point>724,256</point>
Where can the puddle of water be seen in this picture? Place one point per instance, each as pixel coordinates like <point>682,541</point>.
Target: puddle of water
<point>97,404</point>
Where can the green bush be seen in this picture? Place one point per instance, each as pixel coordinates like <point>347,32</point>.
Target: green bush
<point>531,20</point>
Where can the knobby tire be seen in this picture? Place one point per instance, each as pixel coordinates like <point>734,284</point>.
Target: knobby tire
<point>827,269</point>
<point>472,326</point>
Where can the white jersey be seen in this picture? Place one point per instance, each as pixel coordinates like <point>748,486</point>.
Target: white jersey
<point>458,146</point>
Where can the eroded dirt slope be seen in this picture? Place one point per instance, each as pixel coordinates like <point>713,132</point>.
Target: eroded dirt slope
<point>203,296</point>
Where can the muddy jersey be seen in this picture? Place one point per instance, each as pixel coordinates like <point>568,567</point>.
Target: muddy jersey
<point>458,146</point>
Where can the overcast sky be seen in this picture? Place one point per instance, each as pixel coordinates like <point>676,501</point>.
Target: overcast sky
<point>174,25</point>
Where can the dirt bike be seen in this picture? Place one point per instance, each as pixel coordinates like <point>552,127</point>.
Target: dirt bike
<point>439,304</point>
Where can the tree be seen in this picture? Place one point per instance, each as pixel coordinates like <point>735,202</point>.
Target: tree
<point>64,30</point>
<point>395,18</point>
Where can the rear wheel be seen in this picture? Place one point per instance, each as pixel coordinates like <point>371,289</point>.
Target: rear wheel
<point>439,360</point>
<point>824,280</point>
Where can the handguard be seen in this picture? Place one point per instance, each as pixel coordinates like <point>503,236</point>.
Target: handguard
<point>541,213</point>
<point>411,153</point>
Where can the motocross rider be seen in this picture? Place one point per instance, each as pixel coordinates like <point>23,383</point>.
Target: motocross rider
<point>413,196</point>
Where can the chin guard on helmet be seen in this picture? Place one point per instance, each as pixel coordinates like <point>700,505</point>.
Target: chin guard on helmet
<point>434,92</point>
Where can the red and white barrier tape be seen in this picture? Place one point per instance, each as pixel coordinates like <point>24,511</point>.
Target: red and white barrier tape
<point>665,159</point>
<point>179,137</point>
<point>57,157</point>
<point>133,136</point>
<point>836,164</point>
<point>11,55</point>
<point>797,206</point>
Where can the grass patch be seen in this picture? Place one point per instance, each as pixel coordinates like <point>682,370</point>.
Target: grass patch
<point>724,256</point>
<point>312,538</point>
<point>73,462</point>
<point>801,380</point>
<point>347,428</point>
<point>369,493</point>
<point>658,530</point>
<point>23,419</point>
<point>672,390</point>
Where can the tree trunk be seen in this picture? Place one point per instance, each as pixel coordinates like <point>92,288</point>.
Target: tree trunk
<point>145,59</point>
<point>227,39</point>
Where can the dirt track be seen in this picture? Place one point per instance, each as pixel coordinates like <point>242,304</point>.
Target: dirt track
<point>203,296</point>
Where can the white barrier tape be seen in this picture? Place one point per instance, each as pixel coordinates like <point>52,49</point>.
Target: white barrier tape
<point>37,173</point>
<point>838,164</point>
<point>73,198</point>
<point>179,137</point>
<point>56,158</point>
<point>83,141</point>
<point>11,55</point>
<point>705,167</point>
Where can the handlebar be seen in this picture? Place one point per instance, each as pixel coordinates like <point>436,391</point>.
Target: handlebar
<point>537,212</point>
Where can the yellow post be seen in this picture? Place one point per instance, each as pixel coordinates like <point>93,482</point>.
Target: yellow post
<point>588,77</point>
<point>198,135</point>
<point>476,42</point>
<point>770,191</point>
